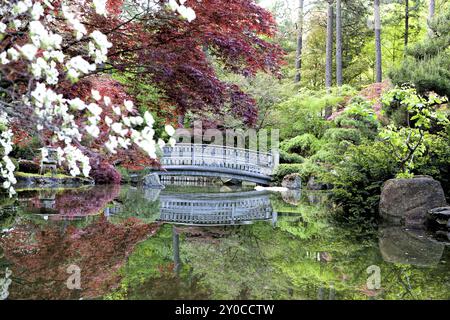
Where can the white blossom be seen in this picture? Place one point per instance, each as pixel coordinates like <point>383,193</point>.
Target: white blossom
<point>117,110</point>
<point>20,8</point>
<point>186,12</point>
<point>13,54</point>
<point>3,58</point>
<point>172,142</point>
<point>107,100</point>
<point>149,118</point>
<point>4,284</point>
<point>2,27</point>
<point>108,121</point>
<point>95,109</point>
<point>100,39</point>
<point>128,105</point>
<point>80,65</point>
<point>28,51</point>
<point>117,128</point>
<point>169,130</point>
<point>93,130</point>
<point>51,110</point>
<point>77,104</point>
<point>37,11</point>
<point>161,143</point>
<point>96,95</point>
<point>100,7</point>
<point>112,144</point>
<point>79,28</point>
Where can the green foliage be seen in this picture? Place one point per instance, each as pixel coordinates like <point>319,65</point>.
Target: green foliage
<point>359,114</point>
<point>343,134</point>
<point>27,151</point>
<point>413,107</point>
<point>304,145</point>
<point>305,170</point>
<point>358,178</point>
<point>427,63</point>
<point>304,112</point>
<point>410,144</point>
<point>286,157</point>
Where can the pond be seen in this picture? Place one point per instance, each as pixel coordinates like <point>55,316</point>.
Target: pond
<point>207,242</point>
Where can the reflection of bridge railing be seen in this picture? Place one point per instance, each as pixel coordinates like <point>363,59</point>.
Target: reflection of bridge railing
<point>216,208</point>
<point>216,160</point>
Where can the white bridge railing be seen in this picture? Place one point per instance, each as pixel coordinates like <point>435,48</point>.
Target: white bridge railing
<point>204,155</point>
<point>216,209</point>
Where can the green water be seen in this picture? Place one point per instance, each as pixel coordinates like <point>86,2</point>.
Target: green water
<point>272,247</point>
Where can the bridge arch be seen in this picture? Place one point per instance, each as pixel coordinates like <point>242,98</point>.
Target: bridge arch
<point>218,161</point>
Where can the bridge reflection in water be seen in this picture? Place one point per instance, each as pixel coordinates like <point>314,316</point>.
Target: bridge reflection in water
<point>213,210</point>
<point>216,209</point>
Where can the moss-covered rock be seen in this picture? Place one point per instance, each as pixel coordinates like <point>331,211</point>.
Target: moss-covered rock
<point>27,180</point>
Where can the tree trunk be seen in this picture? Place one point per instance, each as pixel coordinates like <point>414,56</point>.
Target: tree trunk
<point>298,57</point>
<point>329,49</point>
<point>406,22</point>
<point>181,120</point>
<point>431,11</point>
<point>338,43</point>
<point>378,55</point>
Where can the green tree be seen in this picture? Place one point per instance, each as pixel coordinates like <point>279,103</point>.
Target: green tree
<point>427,63</point>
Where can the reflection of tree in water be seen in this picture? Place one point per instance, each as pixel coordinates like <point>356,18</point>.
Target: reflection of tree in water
<point>139,203</point>
<point>174,273</point>
<point>39,257</point>
<point>72,203</point>
<point>233,261</point>
<point>152,272</point>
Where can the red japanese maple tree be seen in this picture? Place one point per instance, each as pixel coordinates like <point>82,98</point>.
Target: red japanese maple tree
<point>154,46</point>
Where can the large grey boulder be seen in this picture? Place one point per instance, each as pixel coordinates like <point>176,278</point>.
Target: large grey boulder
<point>292,181</point>
<point>152,181</point>
<point>409,200</point>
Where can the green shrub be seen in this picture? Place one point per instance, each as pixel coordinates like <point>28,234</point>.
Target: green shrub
<point>305,170</point>
<point>286,157</point>
<point>359,115</point>
<point>357,179</point>
<point>341,134</point>
<point>304,145</point>
<point>28,151</point>
<point>310,122</point>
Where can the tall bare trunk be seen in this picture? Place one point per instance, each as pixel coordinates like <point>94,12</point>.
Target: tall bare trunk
<point>298,56</point>
<point>431,11</point>
<point>181,119</point>
<point>378,55</point>
<point>329,49</point>
<point>406,22</point>
<point>339,43</point>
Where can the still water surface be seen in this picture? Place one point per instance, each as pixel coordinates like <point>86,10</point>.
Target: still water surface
<point>207,243</point>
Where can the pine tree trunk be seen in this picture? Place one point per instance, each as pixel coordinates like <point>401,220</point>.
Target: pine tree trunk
<point>338,43</point>
<point>406,22</point>
<point>431,11</point>
<point>378,57</point>
<point>181,120</point>
<point>298,57</point>
<point>329,49</point>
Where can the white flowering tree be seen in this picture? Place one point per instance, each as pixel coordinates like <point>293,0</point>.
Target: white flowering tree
<point>37,38</point>
<point>5,282</point>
